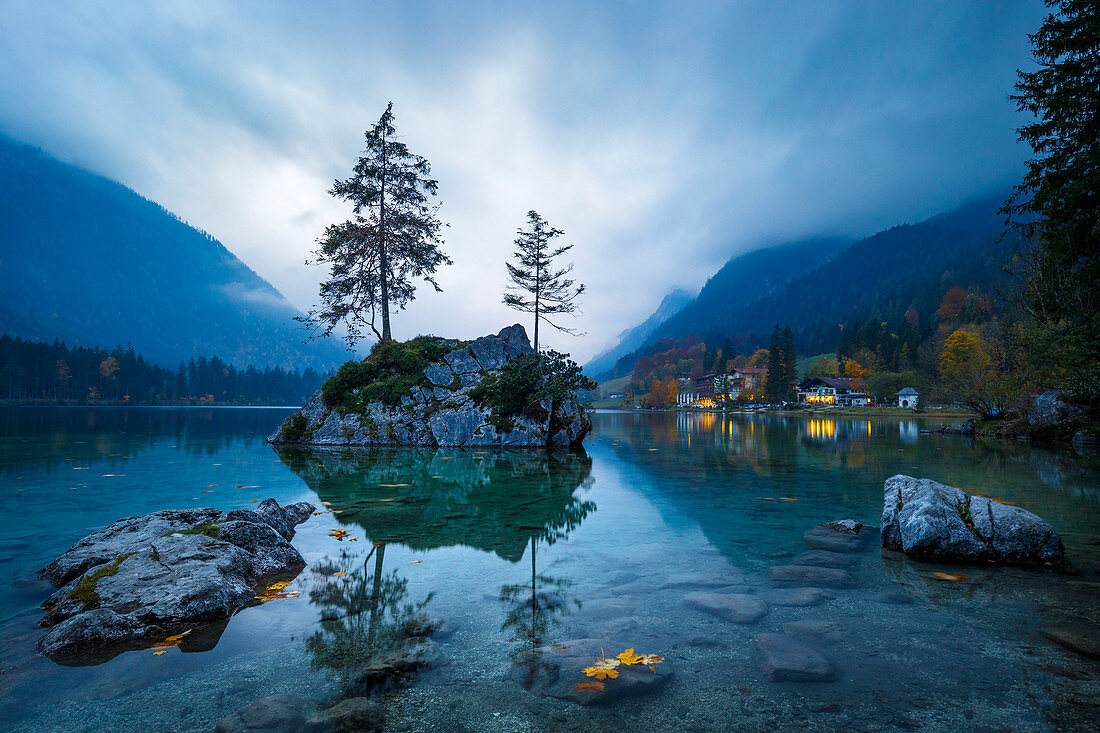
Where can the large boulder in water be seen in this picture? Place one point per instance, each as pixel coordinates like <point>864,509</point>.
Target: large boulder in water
<point>430,396</point>
<point>931,521</point>
<point>146,577</point>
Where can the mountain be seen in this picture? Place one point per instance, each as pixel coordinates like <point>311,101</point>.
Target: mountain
<point>882,276</point>
<point>742,280</point>
<point>633,338</point>
<point>88,261</point>
<point>818,286</point>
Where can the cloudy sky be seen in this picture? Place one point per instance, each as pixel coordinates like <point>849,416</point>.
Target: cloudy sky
<point>662,137</point>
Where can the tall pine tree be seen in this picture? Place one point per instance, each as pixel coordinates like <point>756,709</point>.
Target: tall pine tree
<point>1057,205</point>
<point>393,237</point>
<point>538,285</point>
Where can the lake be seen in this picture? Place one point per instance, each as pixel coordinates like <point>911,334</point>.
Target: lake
<point>514,550</point>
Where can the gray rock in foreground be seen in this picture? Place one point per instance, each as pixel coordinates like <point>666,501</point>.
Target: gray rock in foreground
<point>784,660</point>
<point>144,578</point>
<point>931,521</point>
<point>275,714</point>
<point>441,412</point>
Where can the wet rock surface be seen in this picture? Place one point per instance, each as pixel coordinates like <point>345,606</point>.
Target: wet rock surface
<point>274,714</point>
<point>739,608</point>
<point>812,575</point>
<point>784,660</point>
<point>157,574</point>
<point>442,413</point>
<point>794,596</point>
<point>555,671</point>
<point>931,521</point>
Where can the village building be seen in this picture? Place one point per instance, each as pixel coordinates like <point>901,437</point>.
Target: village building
<point>908,397</point>
<point>825,391</point>
<point>752,378</point>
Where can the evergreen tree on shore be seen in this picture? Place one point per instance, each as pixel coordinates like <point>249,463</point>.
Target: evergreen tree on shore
<point>782,366</point>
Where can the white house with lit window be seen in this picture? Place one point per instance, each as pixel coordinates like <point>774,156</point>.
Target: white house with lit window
<point>824,390</point>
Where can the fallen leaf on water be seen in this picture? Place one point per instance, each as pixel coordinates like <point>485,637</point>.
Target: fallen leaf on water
<point>765,498</point>
<point>339,534</point>
<point>162,651</point>
<point>335,574</point>
<point>652,659</point>
<point>787,498</point>
<point>414,562</point>
<point>354,539</point>
<point>590,686</point>
<point>603,669</point>
<point>208,491</point>
<point>949,576</point>
<point>255,500</point>
<point>629,657</point>
<point>275,591</point>
<point>392,486</point>
<point>327,503</point>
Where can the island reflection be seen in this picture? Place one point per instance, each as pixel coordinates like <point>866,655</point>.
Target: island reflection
<point>425,499</point>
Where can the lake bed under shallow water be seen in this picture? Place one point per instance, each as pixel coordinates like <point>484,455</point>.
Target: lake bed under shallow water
<point>517,550</point>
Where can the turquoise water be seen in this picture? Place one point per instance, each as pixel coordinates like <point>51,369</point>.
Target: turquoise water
<point>610,540</point>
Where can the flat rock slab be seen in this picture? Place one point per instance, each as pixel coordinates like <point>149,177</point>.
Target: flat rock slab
<point>785,660</point>
<point>1081,638</point>
<point>812,575</point>
<point>556,670</point>
<point>699,581</point>
<point>827,559</point>
<point>794,596</point>
<point>814,631</point>
<point>824,538</point>
<point>275,714</point>
<point>740,608</point>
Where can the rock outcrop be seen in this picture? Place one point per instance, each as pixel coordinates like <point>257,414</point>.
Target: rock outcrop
<point>440,411</point>
<point>931,521</point>
<point>144,578</point>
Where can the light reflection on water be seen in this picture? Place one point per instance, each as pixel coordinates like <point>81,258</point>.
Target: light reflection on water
<point>577,545</point>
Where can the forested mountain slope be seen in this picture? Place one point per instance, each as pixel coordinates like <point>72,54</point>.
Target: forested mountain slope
<point>88,261</point>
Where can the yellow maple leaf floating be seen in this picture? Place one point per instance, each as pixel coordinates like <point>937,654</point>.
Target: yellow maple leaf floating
<point>603,669</point>
<point>340,534</point>
<point>276,591</point>
<point>162,651</point>
<point>652,659</point>
<point>590,686</point>
<point>629,657</point>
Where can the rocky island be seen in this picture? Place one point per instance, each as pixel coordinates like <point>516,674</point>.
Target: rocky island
<point>430,391</point>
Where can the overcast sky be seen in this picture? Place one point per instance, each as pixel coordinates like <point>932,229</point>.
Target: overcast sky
<point>663,138</point>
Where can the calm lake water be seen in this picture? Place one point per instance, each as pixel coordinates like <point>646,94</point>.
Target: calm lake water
<point>611,540</point>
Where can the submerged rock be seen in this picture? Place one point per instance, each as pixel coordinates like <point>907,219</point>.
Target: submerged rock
<point>146,577</point>
<point>794,596</point>
<point>928,520</point>
<point>784,660</point>
<point>740,608</point>
<point>842,536</point>
<point>555,671</point>
<point>275,714</point>
<point>812,575</point>
<point>439,411</point>
<point>351,714</point>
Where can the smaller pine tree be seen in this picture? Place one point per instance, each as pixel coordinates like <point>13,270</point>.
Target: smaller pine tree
<point>538,286</point>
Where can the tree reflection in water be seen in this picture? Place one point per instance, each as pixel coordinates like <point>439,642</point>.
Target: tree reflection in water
<point>425,499</point>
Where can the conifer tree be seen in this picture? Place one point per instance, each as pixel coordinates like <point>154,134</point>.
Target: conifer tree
<point>393,237</point>
<point>538,285</point>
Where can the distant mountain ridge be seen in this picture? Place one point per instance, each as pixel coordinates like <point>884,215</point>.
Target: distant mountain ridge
<point>816,286</point>
<point>88,261</point>
<point>633,338</point>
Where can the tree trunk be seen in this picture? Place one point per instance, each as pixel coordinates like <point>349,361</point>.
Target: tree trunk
<point>376,593</point>
<point>383,260</point>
